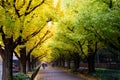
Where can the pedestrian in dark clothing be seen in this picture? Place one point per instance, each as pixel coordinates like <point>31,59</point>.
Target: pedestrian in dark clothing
<point>43,65</point>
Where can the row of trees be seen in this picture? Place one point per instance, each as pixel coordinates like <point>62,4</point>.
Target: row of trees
<point>81,29</point>
<point>23,29</point>
<point>86,26</point>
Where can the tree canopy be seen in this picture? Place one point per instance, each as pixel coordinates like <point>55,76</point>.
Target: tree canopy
<point>76,26</point>
<point>83,21</point>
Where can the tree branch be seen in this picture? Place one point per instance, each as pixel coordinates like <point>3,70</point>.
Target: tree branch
<point>80,45</point>
<point>3,34</point>
<point>17,41</point>
<point>96,47</point>
<point>33,34</point>
<point>3,3</point>
<point>20,41</point>
<point>16,10</point>
<point>46,38</point>
<point>71,29</point>
<point>39,43</point>
<point>110,4</point>
<point>97,34</point>
<point>26,13</point>
<point>22,4</point>
<point>29,5</point>
<point>16,55</point>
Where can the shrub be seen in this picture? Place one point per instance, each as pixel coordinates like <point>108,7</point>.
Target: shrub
<point>20,76</point>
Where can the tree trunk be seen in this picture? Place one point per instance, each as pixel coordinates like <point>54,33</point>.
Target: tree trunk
<point>23,66</point>
<point>7,66</point>
<point>23,60</point>
<point>68,64</point>
<point>56,63</point>
<point>32,65</point>
<point>91,62</point>
<point>59,62</point>
<point>91,57</point>
<point>63,62</point>
<point>28,65</point>
<point>4,73</point>
<point>7,56</point>
<point>76,64</point>
<point>76,59</point>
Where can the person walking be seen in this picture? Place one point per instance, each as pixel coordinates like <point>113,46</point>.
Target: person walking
<point>43,65</point>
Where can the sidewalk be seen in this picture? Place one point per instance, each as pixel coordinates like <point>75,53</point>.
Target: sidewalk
<point>53,74</point>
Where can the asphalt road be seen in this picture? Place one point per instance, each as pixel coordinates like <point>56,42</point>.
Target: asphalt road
<point>53,74</point>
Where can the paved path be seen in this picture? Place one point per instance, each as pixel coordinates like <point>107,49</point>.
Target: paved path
<point>53,74</point>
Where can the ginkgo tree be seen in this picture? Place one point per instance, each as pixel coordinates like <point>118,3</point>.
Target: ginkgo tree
<point>103,21</point>
<point>86,23</point>
<point>90,25</point>
<point>32,44</point>
<point>17,17</point>
<point>70,33</point>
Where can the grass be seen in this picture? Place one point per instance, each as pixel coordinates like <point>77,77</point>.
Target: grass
<point>101,74</point>
<point>83,76</point>
<point>107,74</point>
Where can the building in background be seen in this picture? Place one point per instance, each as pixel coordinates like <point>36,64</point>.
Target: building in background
<point>16,64</point>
